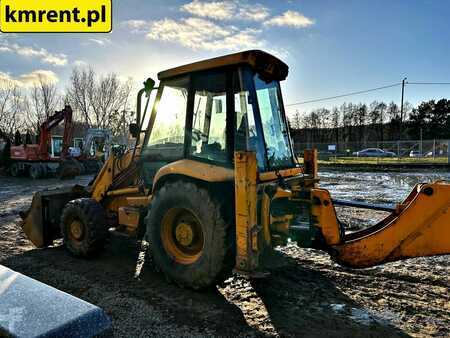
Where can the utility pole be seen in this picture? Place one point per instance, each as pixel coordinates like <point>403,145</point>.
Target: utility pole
<point>421,143</point>
<point>401,106</point>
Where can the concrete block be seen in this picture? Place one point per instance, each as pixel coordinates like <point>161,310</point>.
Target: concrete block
<point>29,308</point>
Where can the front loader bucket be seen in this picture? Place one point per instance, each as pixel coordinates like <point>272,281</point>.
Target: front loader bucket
<point>41,222</point>
<point>419,227</point>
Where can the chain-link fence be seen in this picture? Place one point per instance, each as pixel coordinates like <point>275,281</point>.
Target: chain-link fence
<point>416,150</point>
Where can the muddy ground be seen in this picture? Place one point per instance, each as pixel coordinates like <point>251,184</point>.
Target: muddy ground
<point>306,293</point>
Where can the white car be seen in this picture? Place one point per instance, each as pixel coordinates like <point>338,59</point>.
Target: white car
<point>415,154</point>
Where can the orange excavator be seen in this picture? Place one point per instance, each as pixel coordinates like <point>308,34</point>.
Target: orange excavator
<point>34,160</point>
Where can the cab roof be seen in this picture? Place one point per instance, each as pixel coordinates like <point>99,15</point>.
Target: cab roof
<point>262,62</point>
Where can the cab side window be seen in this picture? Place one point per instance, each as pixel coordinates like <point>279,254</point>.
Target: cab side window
<point>167,137</point>
<point>209,118</point>
<point>246,135</point>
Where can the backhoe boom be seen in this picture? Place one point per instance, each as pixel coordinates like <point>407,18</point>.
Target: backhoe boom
<point>420,227</point>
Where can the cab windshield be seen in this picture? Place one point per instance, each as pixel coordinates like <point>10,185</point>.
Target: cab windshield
<point>276,135</point>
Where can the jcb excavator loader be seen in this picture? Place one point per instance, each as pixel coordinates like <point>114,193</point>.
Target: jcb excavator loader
<point>213,183</point>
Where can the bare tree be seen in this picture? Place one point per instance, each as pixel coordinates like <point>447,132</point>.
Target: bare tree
<point>81,86</point>
<point>12,106</point>
<point>43,101</point>
<point>335,123</point>
<point>109,97</point>
<point>102,102</point>
<point>296,121</point>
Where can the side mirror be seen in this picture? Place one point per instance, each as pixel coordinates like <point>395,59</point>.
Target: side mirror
<point>134,130</point>
<point>149,84</point>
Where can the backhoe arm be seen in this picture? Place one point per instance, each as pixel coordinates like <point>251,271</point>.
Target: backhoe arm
<point>52,122</point>
<point>419,227</point>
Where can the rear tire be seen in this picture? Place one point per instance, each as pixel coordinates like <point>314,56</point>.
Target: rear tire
<point>14,170</point>
<point>43,170</point>
<point>34,170</point>
<point>68,169</point>
<point>189,236</point>
<point>84,227</point>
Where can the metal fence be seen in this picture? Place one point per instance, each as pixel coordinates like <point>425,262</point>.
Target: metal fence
<point>416,149</point>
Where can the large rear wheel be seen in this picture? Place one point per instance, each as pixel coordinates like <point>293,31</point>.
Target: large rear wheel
<point>84,227</point>
<point>189,235</point>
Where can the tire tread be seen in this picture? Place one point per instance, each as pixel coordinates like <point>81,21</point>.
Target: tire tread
<point>93,215</point>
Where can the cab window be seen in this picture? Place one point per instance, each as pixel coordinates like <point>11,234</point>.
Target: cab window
<point>276,134</point>
<point>209,119</point>
<point>246,134</point>
<point>166,140</point>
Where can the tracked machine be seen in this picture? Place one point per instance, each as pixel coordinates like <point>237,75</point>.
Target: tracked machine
<point>213,185</point>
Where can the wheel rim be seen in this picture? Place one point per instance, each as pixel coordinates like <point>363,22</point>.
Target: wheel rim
<point>76,230</point>
<point>182,235</point>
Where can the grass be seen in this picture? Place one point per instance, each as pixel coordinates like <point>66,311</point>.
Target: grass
<point>386,160</point>
<point>382,160</point>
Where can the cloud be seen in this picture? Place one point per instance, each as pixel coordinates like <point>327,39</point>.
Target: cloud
<point>219,10</point>
<point>56,60</point>
<point>196,34</point>
<point>30,52</point>
<point>4,49</point>
<point>136,26</point>
<point>291,19</point>
<point>207,26</point>
<point>256,12</point>
<point>226,10</point>
<point>29,79</point>
<point>80,63</point>
<point>101,41</point>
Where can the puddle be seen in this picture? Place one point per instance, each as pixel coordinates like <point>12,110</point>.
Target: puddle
<point>377,187</point>
<point>363,316</point>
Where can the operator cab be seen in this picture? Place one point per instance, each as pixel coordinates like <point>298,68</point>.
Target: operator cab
<point>207,110</point>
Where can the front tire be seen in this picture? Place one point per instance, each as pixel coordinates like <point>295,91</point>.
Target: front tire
<point>189,237</point>
<point>84,227</point>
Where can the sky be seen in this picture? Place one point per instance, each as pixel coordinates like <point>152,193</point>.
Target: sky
<point>332,47</point>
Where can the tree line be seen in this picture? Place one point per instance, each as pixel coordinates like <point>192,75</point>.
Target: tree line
<point>98,101</point>
<point>377,121</point>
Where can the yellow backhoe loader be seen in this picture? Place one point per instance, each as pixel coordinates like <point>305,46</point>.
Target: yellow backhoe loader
<point>213,184</point>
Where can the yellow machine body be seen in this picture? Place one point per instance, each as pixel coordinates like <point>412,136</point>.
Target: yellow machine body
<point>268,208</point>
<point>420,225</point>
